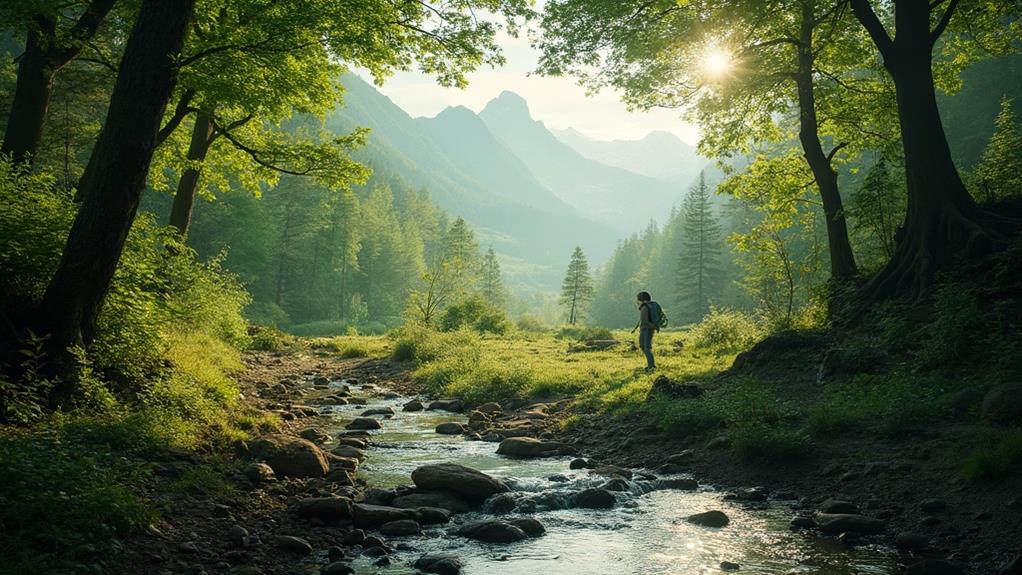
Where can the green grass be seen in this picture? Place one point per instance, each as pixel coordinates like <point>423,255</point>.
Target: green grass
<point>879,403</point>
<point>352,346</point>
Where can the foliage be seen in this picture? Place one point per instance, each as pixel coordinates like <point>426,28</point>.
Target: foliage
<point>699,271</point>
<point>491,284</point>
<point>877,209</point>
<point>884,403</point>
<point>476,313</point>
<point>270,339</point>
<point>999,173</point>
<point>957,329</point>
<point>64,501</point>
<point>996,454</point>
<point>577,287</point>
<point>22,400</point>
<point>725,331</point>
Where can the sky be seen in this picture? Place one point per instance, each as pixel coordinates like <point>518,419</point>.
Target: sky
<point>559,103</point>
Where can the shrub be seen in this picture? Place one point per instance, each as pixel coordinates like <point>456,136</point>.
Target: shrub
<point>418,343</point>
<point>998,453</point>
<point>270,339</point>
<point>476,313</point>
<point>759,440</point>
<point>325,328</point>
<point>956,329</point>
<point>579,333</point>
<point>530,324</point>
<point>724,331</point>
<point>886,403</point>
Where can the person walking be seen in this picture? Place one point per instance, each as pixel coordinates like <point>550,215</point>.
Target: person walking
<point>651,318</point>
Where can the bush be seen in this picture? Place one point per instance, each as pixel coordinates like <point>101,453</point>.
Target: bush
<point>886,403</point>
<point>957,329</point>
<point>530,324</point>
<point>998,453</point>
<point>325,328</point>
<point>759,440</point>
<point>579,333</point>
<point>725,331</point>
<point>415,342</point>
<point>476,313</point>
<point>270,339</point>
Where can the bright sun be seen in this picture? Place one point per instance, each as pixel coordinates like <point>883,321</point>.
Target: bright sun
<point>716,62</point>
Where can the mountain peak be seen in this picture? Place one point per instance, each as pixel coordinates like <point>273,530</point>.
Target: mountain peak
<point>507,103</point>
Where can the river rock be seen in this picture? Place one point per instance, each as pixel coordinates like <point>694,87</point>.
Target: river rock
<point>531,526</point>
<point>1003,403</point>
<point>681,457</point>
<point>356,442</point>
<point>260,473</point>
<point>440,563</point>
<point>472,485</point>
<point>836,523</point>
<point>729,566</point>
<point>666,388</point>
<point>932,505</point>
<point>838,506</point>
<point>432,515</point>
<point>337,568</point>
<point>327,508</point>
<point>595,498</point>
<point>378,411</point>
<point>712,518</point>
<point>501,503</point>
<point>612,471</point>
<point>364,423</point>
<point>315,435</point>
<point>354,537</point>
<point>290,456</point>
<point>450,428</point>
<point>293,544</point>
<point>441,498</point>
<point>530,447</point>
<point>345,463</point>
<point>580,463</point>
<point>802,522</point>
<point>491,531</point>
<point>452,405</point>
<point>400,528</point>
<point>366,515</point>
<point>489,408</point>
<point>719,442</point>
<point>413,405</point>
<point>349,452</point>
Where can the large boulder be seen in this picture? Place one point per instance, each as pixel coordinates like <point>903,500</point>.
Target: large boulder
<point>400,528</point>
<point>836,523</point>
<point>451,428</point>
<point>612,471</point>
<point>1003,403</point>
<point>439,563</point>
<point>349,452</point>
<point>439,499</point>
<point>327,508</point>
<point>433,515</point>
<point>531,447</point>
<point>366,515</point>
<point>364,423</point>
<point>453,405</point>
<point>387,410</point>
<point>531,526</point>
<point>709,519</point>
<point>413,405</point>
<point>491,531</point>
<point>595,498</point>
<point>469,484</point>
<point>290,456</point>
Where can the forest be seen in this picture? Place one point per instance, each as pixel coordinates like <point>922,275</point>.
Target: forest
<point>261,315</point>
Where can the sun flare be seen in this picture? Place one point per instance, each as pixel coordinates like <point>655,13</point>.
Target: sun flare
<point>716,62</point>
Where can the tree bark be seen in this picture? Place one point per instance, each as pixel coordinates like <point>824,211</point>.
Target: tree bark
<point>842,260</point>
<point>942,221</point>
<point>46,52</point>
<point>184,198</point>
<point>76,292</point>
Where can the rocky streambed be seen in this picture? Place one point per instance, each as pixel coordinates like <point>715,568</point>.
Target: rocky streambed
<point>409,485</point>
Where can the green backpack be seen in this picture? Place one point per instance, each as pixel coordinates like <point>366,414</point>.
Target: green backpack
<point>657,315</point>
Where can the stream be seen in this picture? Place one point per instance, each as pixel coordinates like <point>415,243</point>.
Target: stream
<point>645,533</point>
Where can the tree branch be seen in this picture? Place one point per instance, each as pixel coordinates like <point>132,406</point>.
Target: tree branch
<point>182,110</point>
<point>868,18</point>
<point>82,30</point>
<point>836,149</point>
<point>254,154</point>
<point>944,21</point>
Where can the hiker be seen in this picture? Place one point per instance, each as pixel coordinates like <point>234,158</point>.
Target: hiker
<point>651,319</point>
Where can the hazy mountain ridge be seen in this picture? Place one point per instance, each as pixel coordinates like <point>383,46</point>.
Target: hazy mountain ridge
<point>612,195</point>
<point>660,155</point>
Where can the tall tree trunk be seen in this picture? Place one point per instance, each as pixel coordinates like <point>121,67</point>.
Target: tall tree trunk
<point>942,220</point>
<point>147,76</point>
<point>842,261</point>
<point>46,52</point>
<point>184,198</point>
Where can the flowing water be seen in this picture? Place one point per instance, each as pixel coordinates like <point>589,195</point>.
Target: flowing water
<point>644,534</point>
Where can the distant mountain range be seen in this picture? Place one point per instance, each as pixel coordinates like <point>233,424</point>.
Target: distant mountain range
<point>530,193</point>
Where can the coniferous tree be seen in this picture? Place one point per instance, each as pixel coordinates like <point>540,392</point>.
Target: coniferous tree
<point>698,273</point>
<point>577,288</point>
<point>461,253</point>
<point>999,173</point>
<point>491,285</point>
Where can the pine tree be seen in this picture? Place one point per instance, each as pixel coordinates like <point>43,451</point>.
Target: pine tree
<point>345,244</point>
<point>999,173</point>
<point>577,289</point>
<point>461,252</point>
<point>699,272</point>
<point>491,285</point>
